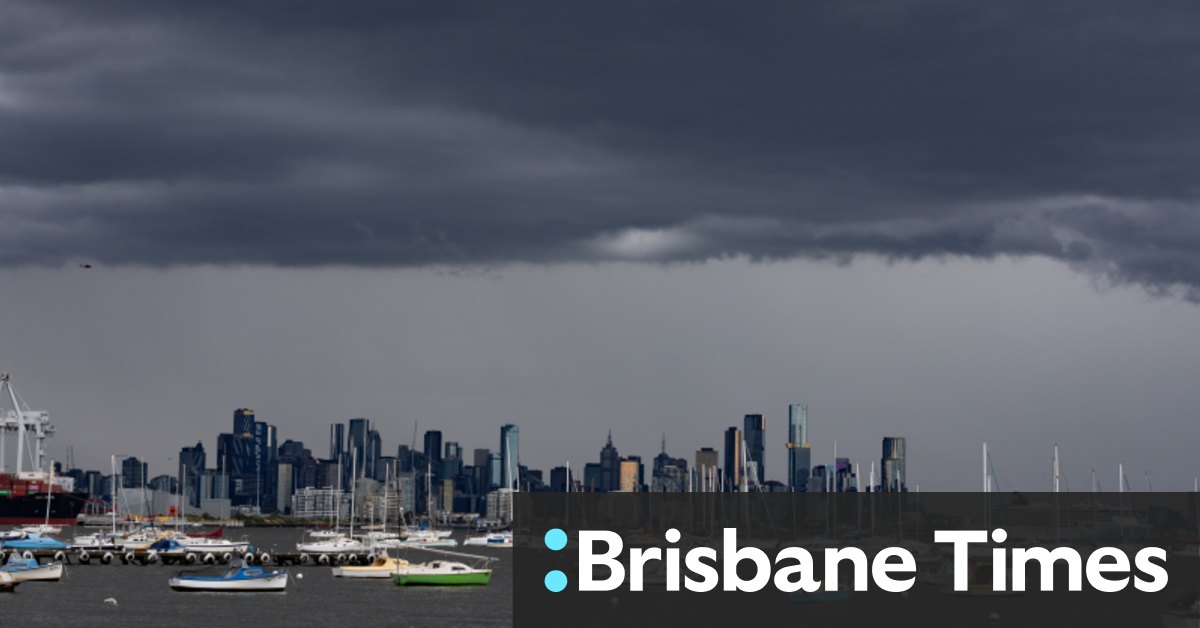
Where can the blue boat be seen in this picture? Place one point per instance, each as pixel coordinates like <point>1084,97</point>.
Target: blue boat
<point>239,577</point>
<point>33,542</point>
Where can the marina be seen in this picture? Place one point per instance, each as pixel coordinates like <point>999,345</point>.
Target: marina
<point>142,593</point>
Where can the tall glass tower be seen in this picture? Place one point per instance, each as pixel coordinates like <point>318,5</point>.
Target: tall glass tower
<point>799,454</point>
<point>510,455</point>
<point>755,433</point>
<point>893,472</point>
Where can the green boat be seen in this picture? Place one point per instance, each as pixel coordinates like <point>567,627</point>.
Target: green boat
<point>441,573</point>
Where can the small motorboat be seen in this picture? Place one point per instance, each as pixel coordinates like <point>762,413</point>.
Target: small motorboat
<point>96,543</point>
<point>28,570</point>
<point>383,567</point>
<point>238,577</point>
<point>336,545</point>
<point>7,582</point>
<point>43,530</point>
<point>441,573</point>
<point>214,545</point>
<point>496,539</point>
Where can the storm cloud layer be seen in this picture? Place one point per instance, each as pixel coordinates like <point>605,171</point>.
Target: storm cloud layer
<point>407,134</point>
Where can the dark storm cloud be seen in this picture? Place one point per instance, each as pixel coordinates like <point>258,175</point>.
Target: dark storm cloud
<point>389,133</point>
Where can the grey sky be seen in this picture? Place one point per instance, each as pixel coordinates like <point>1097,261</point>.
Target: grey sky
<point>416,192</point>
<point>1023,354</point>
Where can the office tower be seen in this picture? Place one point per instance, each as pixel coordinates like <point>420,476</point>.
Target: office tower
<point>510,456</point>
<point>191,465</point>
<point>558,479</point>
<point>755,428</point>
<point>266,465</point>
<point>628,481</point>
<point>452,461</point>
<point>610,466</point>
<point>133,473</point>
<point>843,475</point>
<point>733,459</point>
<point>371,455</point>
<point>356,453</point>
<point>799,454</point>
<point>243,421</point>
<point>707,463</point>
<point>495,470</point>
<point>237,468</point>
<point>433,447</point>
<point>818,482</point>
<point>669,475</point>
<point>285,471</point>
<point>404,459</point>
<point>483,471</point>
<point>893,474</point>
<point>593,477</point>
<point>337,441</point>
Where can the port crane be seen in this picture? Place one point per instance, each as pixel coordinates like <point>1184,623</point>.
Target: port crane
<point>32,428</point>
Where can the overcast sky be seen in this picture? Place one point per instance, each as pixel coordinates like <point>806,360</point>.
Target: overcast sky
<point>946,220</point>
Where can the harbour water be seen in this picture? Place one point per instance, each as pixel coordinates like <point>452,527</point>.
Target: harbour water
<point>316,598</point>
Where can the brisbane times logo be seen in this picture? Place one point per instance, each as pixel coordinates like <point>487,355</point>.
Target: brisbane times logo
<point>604,564</point>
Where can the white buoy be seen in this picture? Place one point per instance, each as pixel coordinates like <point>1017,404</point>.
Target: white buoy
<point>299,576</point>
<point>111,601</point>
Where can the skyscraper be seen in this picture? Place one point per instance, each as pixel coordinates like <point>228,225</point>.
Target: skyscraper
<point>337,441</point>
<point>799,454</point>
<point>433,447</point>
<point>706,467</point>
<point>356,446</point>
<point>893,474</point>
<point>733,459</point>
<point>510,455</point>
<point>191,466</point>
<point>610,466</point>
<point>266,463</point>
<point>243,421</point>
<point>755,435</point>
<point>133,473</point>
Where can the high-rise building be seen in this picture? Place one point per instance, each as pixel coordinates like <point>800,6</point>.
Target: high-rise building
<point>707,463</point>
<point>893,474</point>
<point>754,433</point>
<point>452,462</point>
<point>356,449</point>
<point>669,475</point>
<point>495,470</point>
<point>133,473</point>
<point>799,453</point>
<point>510,456</point>
<point>191,465</point>
<point>733,459</point>
<point>433,447</point>
<point>610,466</point>
<point>243,421</point>
<point>593,477</point>
<point>266,461</point>
<point>337,441</point>
<point>560,480</point>
<point>629,471</point>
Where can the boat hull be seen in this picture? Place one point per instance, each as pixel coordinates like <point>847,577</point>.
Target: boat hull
<point>43,573</point>
<point>268,584</point>
<point>443,580</point>
<point>20,510</point>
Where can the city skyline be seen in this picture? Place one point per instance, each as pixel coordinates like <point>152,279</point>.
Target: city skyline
<point>950,224</point>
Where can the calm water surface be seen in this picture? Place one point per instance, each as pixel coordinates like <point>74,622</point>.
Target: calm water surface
<point>316,599</point>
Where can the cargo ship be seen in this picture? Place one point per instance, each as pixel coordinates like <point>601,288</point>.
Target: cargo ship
<point>24,502</point>
<point>31,493</point>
